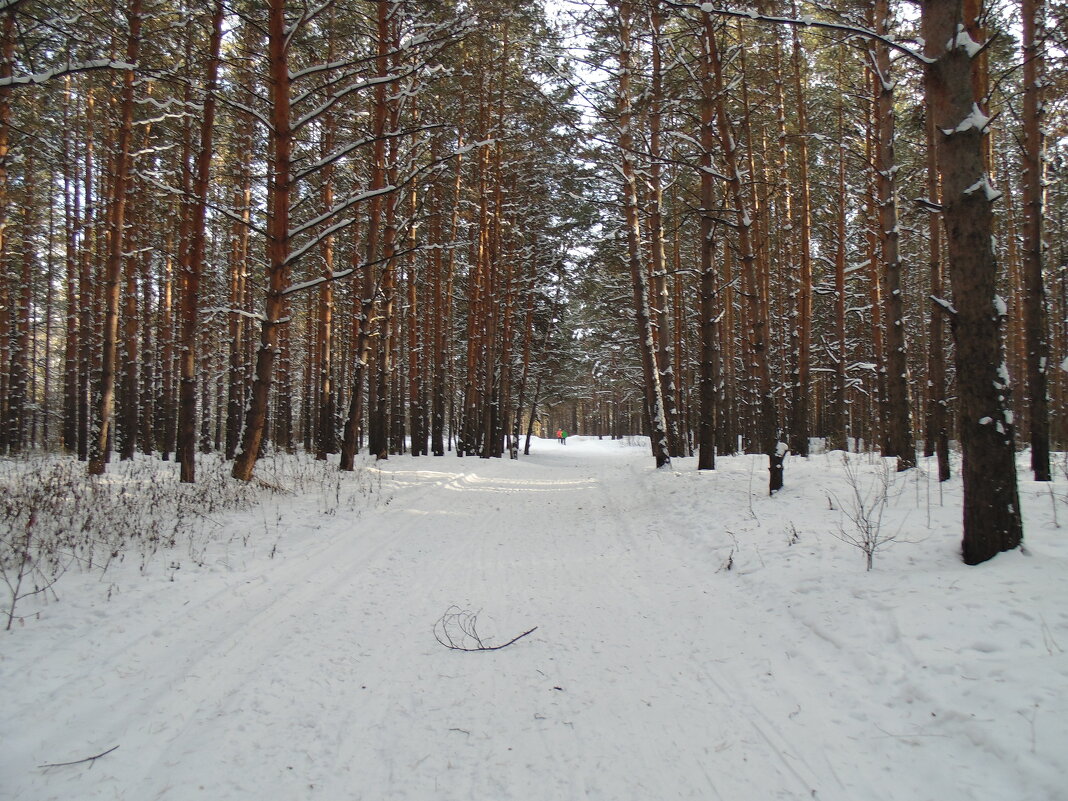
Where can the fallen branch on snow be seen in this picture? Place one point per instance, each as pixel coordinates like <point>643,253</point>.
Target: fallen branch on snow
<point>79,761</point>
<point>457,631</point>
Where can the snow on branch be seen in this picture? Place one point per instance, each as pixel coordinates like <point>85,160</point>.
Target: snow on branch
<point>805,22</point>
<point>337,275</point>
<point>338,96</point>
<point>258,317</point>
<point>247,110</point>
<point>66,69</point>
<point>977,119</point>
<point>347,203</point>
<point>323,67</point>
<point>965,42</point>
<point>332,229</point>
<point>944,305</point>
<point>351,147</point>
<point>988,190</point>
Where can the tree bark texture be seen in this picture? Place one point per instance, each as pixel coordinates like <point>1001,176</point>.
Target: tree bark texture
<point>992,520</point>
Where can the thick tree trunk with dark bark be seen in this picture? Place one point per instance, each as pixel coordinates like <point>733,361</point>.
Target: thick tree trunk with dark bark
<point>708,370</point>
<point>937,438</point>
<point>992,520</point>
<point>1034,307</point>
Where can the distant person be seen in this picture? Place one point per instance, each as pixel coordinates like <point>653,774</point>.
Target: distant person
<point>563,437</point>
<point>560,435</point>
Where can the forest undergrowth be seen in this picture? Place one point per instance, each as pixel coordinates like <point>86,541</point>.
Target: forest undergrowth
<point>55,519</point>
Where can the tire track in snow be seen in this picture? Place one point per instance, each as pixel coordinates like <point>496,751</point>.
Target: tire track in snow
<point>228,640</point>
<point>736,711</point>
<point>631,700</point>
<point>335,647</point>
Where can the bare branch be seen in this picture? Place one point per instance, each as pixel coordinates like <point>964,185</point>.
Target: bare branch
<point>79,761</point>
<point>457,630</point>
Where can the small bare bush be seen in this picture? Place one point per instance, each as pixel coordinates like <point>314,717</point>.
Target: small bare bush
<point>864,506</point>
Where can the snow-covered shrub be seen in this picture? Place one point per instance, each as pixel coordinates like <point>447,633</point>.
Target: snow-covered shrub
<point>54,517</point>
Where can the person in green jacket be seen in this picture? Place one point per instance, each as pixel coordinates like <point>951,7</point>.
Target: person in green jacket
<point>563,436</point>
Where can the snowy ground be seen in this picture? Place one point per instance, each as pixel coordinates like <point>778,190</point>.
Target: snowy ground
<point>695,639</point>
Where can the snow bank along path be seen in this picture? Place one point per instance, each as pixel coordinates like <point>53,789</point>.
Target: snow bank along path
<point>695,640</point>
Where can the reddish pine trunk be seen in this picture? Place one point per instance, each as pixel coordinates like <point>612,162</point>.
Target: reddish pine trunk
<point>187,397</point>
<point>277,241</point>
<point>100,442</point>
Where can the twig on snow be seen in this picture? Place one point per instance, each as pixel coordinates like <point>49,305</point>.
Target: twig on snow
<point>79,761</point>
<point>457,631</point>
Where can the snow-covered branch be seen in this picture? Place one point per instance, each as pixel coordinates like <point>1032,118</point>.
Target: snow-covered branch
<point>348,202</point>
<point>337,97</point>
<point>805,22</point>
<point>66,69</point>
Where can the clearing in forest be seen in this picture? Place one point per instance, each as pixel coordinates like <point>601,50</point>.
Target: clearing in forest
<point>695,639</point>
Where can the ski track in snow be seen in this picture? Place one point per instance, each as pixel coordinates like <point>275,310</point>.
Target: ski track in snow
<point>686,649</point>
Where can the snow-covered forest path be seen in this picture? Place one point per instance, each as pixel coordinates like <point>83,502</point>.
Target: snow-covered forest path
<point>694,640</point>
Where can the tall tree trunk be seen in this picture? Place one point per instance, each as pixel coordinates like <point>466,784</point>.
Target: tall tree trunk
<point>21,357</point>
<point>86,332</point>
<point>323,372</point>
<point>992,520</point>
<point>661,296</point>
<point>100,442</point>
<point>1035,314</point>
<point>898,423</point>
<point>126,419</point>
<point>654,397</point>
<point>72,222</point>
<point>7,64</point>
<point>146,433</point>
<point>755,278</point>
<point>802,385</point>
<point>277,240</point>
<point>380,413</point>
<point>838,437</point>
<point>238,324</point>
<point>937,439</point>
<point>369,285</point>
<point>166,409</point>
<point>709,378</point>
<point>878,411</point>
<point>187,394</point>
